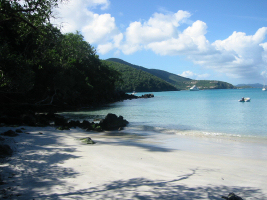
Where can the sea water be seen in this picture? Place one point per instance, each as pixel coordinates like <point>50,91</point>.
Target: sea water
<point>207,121</point>
<point>207,112</point>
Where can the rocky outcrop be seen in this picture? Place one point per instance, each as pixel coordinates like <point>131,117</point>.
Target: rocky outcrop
<point>112,122</point>
<point>10,133</point>
<point>232,196</point>
<point>147,96</point>
<point>5,150</point>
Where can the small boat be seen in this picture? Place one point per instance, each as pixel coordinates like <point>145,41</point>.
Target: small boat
<point>247,99</point>
<point>264,88</point>
<point>194,88</point>
<point>133,93</point>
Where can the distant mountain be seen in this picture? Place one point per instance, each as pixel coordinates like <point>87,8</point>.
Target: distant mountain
<point>255,85</point>
<point>169,77</point>
<point>179,82</point>
<point>138,80</point>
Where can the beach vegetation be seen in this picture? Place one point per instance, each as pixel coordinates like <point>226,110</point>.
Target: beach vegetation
<point>40,66</point>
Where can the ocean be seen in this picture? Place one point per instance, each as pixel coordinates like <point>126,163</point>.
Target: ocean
<point>207,121</point>
<point>204,112</point>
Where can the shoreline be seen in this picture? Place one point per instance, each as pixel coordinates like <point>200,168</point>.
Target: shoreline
<point>57,165</point>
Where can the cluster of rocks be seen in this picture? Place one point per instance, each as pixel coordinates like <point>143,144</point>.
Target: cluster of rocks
<point>110,122</point>
<point>147,96</point>
<point>132,96</point>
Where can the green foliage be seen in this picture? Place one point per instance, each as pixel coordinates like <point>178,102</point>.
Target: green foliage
<point>166,76</point>
<point>40,65</point>
<point>179,82</point>
<point>138,80</point>
<point>208,84</point>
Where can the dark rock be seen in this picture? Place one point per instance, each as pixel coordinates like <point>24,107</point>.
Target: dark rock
<point>232,196</point>
<point>85,124</point>
<point>87,140</point>
<point>10,133</point>
<point>18,131</point>
<point>74,124</point>
<point>5,150</point>
<point>112,122</point>
<point>147,96</point>
<point>61,128</point>
<point>98,128</point>
<point>60,121</point>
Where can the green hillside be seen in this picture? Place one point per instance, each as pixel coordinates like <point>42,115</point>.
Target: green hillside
<point>138,80</point>
<point>169,77</point>
<point>181,83</point>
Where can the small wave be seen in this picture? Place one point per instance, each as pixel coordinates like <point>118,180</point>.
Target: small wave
<point>150,130</point>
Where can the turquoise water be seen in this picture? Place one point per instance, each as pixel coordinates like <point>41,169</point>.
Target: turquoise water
<point>208,112</point>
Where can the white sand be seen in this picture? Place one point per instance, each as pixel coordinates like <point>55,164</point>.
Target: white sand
<point>57,165</point>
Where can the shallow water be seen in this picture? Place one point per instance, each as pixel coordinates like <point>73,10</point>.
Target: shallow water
<point>207,112</point>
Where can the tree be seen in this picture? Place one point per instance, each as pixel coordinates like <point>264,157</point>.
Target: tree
<point>40,65</point>
<point>23,25</point>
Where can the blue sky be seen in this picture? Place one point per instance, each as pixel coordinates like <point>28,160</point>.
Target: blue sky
<point>213,40</point>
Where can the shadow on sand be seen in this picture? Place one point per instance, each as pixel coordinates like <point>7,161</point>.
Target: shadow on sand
<point>42,172</point>
<point>34,165</point>
<point>145,189</point>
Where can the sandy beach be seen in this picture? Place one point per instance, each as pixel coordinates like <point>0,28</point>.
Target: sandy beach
<point>53,164</point>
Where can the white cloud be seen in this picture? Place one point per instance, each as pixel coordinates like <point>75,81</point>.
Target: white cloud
<point>190,41</point>
<point>238,56</point>
<point>190,74</point>
<point>105,48</point>
<point>75,15</point>
<point>104,3</point>
<point>158,28</point>
<point>100,29</point>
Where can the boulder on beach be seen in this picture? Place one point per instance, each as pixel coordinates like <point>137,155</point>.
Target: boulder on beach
<point>232,196</point>
<point>10,133</point>
<point>113,122</point>
<point>87,140</point>
<point>5,150</point>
